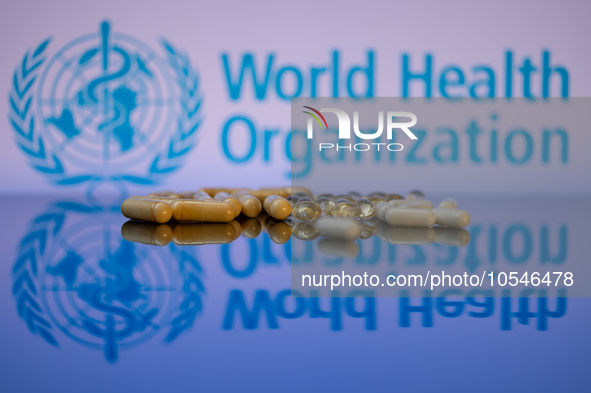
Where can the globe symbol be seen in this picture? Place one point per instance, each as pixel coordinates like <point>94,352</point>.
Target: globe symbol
<point>105,106</point>
<point>83,279</point>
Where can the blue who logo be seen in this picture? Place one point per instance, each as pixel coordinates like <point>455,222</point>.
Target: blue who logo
<point>105,107</point>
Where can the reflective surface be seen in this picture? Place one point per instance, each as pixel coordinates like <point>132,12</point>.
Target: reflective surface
<point>86,310</point>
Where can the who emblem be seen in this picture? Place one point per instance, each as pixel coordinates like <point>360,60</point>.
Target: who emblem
<point>105,107</point>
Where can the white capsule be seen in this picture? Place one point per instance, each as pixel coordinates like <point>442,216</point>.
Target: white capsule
<point>454,237</point>
<point>451,217</point>
<point>417,205</point>
<point>400,235</point>
<point>398,202</point>
<point>341,228</point>
<point>338,248</point>
<point>410,217</point>
<point>381,210</point>
<point>449,203</point>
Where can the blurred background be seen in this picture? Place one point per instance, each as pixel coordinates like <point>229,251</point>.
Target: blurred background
<point>111,98</point>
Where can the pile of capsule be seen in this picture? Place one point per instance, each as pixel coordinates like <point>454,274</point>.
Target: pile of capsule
<point>288,211</point>
<point>392,217</point>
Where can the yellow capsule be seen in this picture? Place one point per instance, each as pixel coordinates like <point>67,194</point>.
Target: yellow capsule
<point>340,228</point>
<point>146,233</point>
<point>161,193</point>
<point>366,207</point>
<point>338,247</point>
<point>306,211</point>
<point>455,218</point>
<point>454,237</point>
<point>279,232</point>
<point>417,205</point>
<point>346,210</point>
<point>410,217</point>
<point>213,191</point>
<point>146,210</point>
<point>378,194</point>
<point>263,193</point>
<point>390,197</point>
<point>251,206</point>
<point>297,190</point>
<point>326,204</point>
<point>225,197</point>
<point>202,234</point>
<point>187,194</point>
<point>155,198</point>
<point>277,207</point>
<point>305,230</point>
<point>250,227</point>
<point>192,210</point>
<point>449,203</point>
<point>354,195</point>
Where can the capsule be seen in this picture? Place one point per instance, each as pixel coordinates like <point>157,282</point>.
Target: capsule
<point>366,207</point>
<point>306,210</point>
<point>340,228</point>
<point>161,193</point>
<point>187,194</point>
<point>251,206</point>
<point>410,217</point>
<point>337,198</point>
<point>390,197</point>
<point>346,210</point>
<point>250,227</point>
<point>338,248</point>
<point>146,233</point>
<point>192,210</point>
<point>454,237</point>
<point>223,196</point>
<point>305,230</point>
<point>374,199</point>
<point>367,230</point>
<point>279,232</point>
<point>417,205</point>
<point>454,218</point>
<point>292,199</point>
<point>415,195</point>
<point>378,194</point>
<point>399,202</point>
<point>410,236</point>
<point>449,203</point>
<point>146,210</point>
<point>354,194</point>
<point>323,196</point>
<point>263,193</point>
<point>202,234</point>
<point>277,207</point>
<point>326,204</point>
<point>298,190</point>
<point>214,191</point>
<point>381,210</point>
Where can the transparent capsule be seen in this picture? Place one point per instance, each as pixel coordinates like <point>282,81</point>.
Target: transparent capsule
<point>415,194</point>
<point>375,200</point>
<point>390,197</point>
<point>366,207</point>
<point>337,198</point>
<point>326,204</point>
<point>305,230</point>
<point>367,229</point>
<point>346,209</point>
<point>354,194</point>
<point>323,196</point>
<point>378,194</point>
<point>305,199</point>
<point>306,211</point>
<point>302,194</point>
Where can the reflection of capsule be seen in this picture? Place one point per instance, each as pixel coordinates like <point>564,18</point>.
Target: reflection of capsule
<point>305,230</point>
<point>250,227</point>
<point>338,247</point>
<point>146,233</point>
<point>341,228</point>
<point>452,236</point>
<point>278,231</point>
<point>405,235</point>
<point>201,234</point>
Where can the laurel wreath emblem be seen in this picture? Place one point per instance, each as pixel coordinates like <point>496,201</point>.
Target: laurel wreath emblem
<point>31,142</point>
<point>45,229</point>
